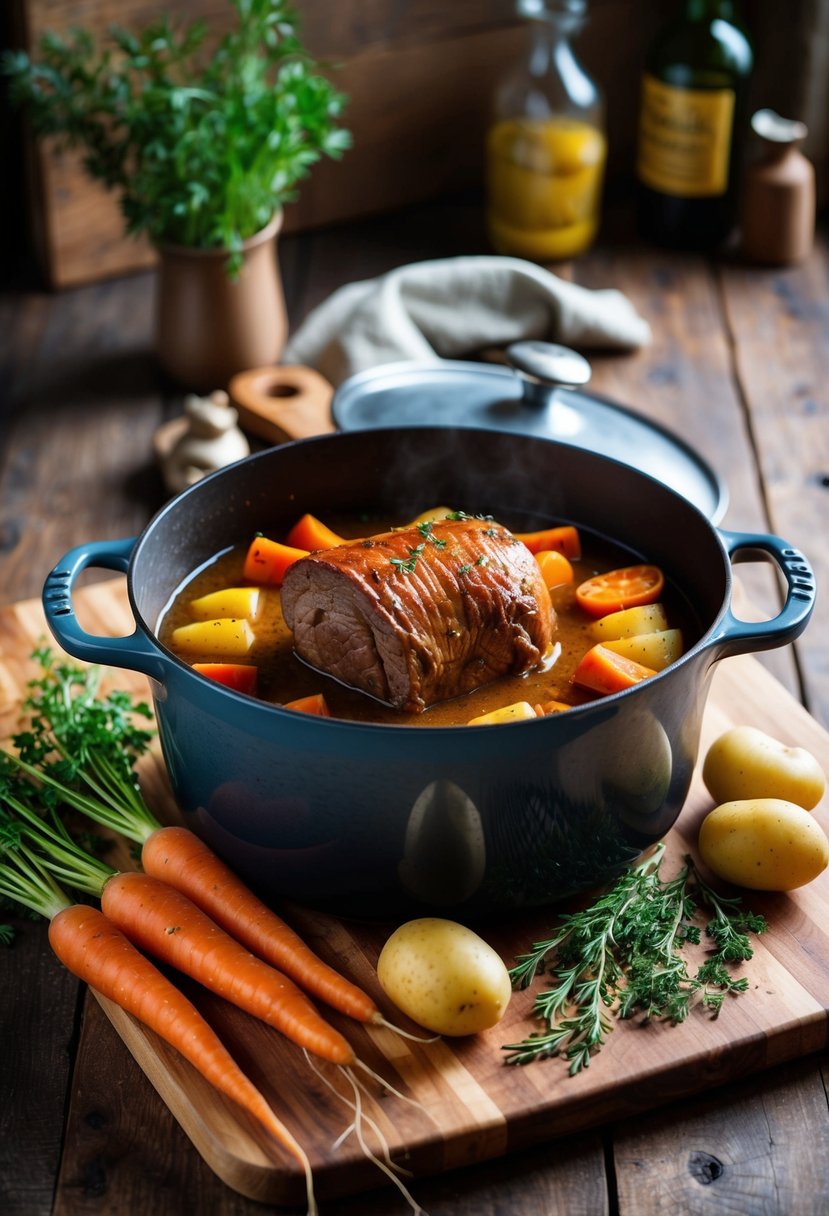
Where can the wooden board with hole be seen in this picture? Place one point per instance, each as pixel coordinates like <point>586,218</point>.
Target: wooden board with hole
<point>457,1103</point>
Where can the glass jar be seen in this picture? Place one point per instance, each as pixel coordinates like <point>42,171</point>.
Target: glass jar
<point>546,147</point>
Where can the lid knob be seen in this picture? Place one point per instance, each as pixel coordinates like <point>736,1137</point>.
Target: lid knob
<point>546,365</point>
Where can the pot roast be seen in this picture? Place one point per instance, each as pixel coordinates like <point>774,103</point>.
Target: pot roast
<point>423,614</point>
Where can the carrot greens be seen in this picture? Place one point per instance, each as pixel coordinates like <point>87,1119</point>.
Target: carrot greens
<point>624,953</point>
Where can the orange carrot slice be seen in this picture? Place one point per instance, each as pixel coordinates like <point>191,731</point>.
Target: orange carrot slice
<point>267,560</point>
<point>626,587</point>
<point>602,670</point>
<point>556,569</point>
<point>241,677</point>
<point>311,533</point>
<point>563,539</point>
<point>315,704</point>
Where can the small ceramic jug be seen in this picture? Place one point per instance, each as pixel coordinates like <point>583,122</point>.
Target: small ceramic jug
<point>778,206</point>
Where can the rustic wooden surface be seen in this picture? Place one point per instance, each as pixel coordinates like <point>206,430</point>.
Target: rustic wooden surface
<point>739,365</point>
<point>471,1108</point>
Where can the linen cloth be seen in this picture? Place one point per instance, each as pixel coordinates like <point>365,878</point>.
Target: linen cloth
<point>450,308</point>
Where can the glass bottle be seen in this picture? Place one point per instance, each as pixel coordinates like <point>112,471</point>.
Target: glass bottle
<point>546,147</point>
<point>692,118</point>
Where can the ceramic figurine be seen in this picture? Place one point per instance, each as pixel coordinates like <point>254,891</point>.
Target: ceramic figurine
<point>205,439</point>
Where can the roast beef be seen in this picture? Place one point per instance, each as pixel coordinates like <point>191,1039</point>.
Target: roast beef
<point>419,615</point>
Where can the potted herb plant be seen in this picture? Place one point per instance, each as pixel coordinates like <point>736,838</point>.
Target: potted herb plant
<point>203,145</point>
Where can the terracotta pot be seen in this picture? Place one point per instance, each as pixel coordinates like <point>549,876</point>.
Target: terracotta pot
<point>778,205</point>
<point>210,326</point>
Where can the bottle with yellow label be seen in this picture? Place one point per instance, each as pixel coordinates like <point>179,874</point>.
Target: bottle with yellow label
<point>693,115</point>
<point>546,146</point>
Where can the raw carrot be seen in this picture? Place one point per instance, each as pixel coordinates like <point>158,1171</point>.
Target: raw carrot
<point>168,925</point>
<point>98,953</point>
<point>563,539</point>
<point>184,861</point>
<point>311,533</point>
<point>602,670</point>
<point>165,923</point>
<point>315,704</point>
<point>65,712</point>
<point>241,677</point>
<point>267,560</point>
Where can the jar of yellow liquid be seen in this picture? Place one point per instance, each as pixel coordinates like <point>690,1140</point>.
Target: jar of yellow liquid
<point>546,148</point>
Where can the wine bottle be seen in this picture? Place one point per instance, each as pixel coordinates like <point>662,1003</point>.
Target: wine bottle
<point>693,114</point>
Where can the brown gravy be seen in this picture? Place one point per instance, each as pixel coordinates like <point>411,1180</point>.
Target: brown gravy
<point>283,677</point>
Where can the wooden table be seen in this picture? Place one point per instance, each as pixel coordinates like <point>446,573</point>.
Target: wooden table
<point>739,366</point>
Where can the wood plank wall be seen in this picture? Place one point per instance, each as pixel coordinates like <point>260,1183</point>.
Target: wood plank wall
<point>419,77</point>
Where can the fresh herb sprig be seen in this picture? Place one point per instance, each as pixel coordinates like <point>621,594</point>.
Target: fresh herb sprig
<point>202,145</point>
<point>81,747</point>
<point>624,954</point>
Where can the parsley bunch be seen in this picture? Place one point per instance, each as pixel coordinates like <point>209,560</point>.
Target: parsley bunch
<point>202,145</point>
<point>625,953</point>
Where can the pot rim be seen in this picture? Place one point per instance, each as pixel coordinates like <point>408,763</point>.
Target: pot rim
<point>610,700</point>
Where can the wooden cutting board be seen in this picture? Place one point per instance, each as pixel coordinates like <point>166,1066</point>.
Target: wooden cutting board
<point>461,1104</point>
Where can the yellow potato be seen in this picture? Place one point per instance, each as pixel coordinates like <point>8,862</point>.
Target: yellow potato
<point>517,712</point>
<point>229,602</point>
<point>766,844</point>
<point>629,622</point>
<point>656,650</point>
<point>747,763</point>
<point>223,637</point>
<point>444,976</point>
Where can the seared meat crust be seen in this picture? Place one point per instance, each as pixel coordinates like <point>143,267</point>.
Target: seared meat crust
<point>417,616</point>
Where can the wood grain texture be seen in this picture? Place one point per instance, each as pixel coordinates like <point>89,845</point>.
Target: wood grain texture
<point>469,1107</point>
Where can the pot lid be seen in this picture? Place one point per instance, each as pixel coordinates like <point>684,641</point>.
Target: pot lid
<point>540,394</point>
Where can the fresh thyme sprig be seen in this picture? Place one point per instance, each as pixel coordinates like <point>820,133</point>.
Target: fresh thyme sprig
<point>624,954</point>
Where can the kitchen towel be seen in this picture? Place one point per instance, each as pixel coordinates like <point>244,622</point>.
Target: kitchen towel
<point>451,308</point>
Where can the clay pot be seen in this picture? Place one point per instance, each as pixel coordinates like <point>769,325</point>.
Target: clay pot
<point>209,325</point>
<point>778,206</point>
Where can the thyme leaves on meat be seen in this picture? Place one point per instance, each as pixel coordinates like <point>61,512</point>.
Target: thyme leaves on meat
<point>624,954</point>
<point>406,565</point>
<point>426,530</point>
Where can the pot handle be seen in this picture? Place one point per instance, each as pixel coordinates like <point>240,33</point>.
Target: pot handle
<point>734,636</point>
<point>133,651</point>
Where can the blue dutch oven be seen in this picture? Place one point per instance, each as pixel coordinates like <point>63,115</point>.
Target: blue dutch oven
<point>386,820</point>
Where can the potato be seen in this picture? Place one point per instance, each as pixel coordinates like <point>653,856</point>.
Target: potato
<point>224,637</point>
<point>517,712</point>
<point>656,650</point>
<point>766,844</point>
<point>629,622</point>
<point>229,602</point>
<point>444,976</point>
<point>747,763</point>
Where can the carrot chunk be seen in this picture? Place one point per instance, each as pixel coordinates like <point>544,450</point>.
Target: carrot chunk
<point>604,671</point>
<point>267,560</point>
<point>315,704</point>
<point>311,533</point>
<point>563,539</point>
<point>239,676</point>
<point>555,568</point>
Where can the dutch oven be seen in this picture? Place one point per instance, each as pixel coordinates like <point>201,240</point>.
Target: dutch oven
<point>382,820</point>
